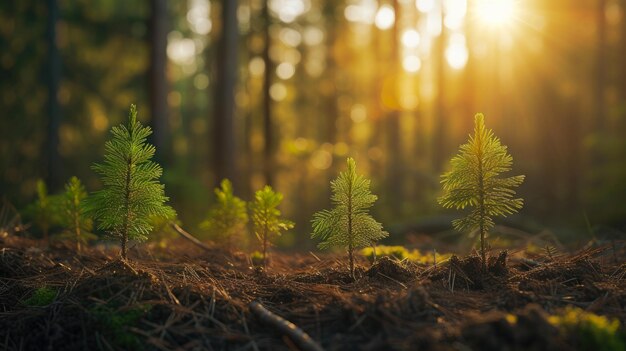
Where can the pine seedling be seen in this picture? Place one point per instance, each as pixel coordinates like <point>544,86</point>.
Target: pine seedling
<point>348,224</point>
<point>78,225</point>
<point>228,217</point>
<point>45,210</point>
<point>132,192</point>
<point>474,181</point>
<point>266,217</point>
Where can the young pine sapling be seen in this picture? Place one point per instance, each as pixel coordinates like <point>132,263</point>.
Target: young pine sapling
<point>228,217</point>
<point>474,181</point>
<point>45,210</point>
<point>266,217</point>
<point>132,192</point>
<point>348,224</point>
<point>77,224</point>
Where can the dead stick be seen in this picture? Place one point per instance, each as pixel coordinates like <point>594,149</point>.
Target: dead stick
<point>190,237</point>
<point>297,335</point>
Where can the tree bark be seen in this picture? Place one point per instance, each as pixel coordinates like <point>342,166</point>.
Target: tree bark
<point>157,79</point>
<point>53,78</point>
<point>227,64</point>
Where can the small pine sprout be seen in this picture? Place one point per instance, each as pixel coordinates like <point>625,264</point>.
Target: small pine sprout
<point>228,218</point>
<point>45,210</point>
<point>348,224</point>
<point>474,181</point>
<point>78,225</point>
<point>132,193</point>
<point>266,217</point>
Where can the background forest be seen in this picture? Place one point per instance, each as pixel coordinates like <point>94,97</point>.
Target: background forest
<point>281,92</point>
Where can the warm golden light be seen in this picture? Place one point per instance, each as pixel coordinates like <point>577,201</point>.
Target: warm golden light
<point>411,63</point>
<point>385,17</point>
<point>456,52</point>
<point>411,38</point>
<point>496,12</point>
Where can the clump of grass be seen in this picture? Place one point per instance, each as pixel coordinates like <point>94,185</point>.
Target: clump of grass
<point>593,332</point>
<point>41,297</point>
<point>115,322</point>
<point>402,253</point>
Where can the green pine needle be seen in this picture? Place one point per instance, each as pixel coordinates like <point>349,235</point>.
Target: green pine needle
<point>78,225</point>
<point>266,217</point>
<point>474,181</point>
<point>132,192</point>
<point>348,224</point>
<point>228,217</point>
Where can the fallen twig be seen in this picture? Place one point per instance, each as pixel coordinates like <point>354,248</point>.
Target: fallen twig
<point>190,237</point>
<point>297,335</point>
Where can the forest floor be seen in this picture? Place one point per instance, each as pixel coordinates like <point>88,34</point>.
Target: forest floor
<point>186,298</point>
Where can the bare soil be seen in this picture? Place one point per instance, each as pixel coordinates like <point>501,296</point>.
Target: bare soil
<point>186,298</point>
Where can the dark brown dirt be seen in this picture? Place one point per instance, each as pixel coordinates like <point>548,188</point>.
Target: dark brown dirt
<point>184,298</point>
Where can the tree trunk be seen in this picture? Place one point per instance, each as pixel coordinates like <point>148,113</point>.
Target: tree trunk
<point>227,64</point>
<point>268,132</point>
<point>394,181</point>
<point>440,124</point>
<point>469,74</point>
<point>53,78</point>
<point>157,79</point>
<point>599,75</point>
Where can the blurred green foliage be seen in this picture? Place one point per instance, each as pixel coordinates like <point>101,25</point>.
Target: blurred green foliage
<point>590,331</point>
<point>42,296</point>
<point>402,253</point>
<point>78,226</point>
<point>228,217</point>
<point>116,322</point>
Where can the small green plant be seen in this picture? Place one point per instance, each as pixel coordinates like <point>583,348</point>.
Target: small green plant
<point>43,296</point>
<point>592,332</point>
<point>132,192</point>
<point>228,218</point>
<point>256,257</point>
<point>401,253</point>
<point>348,224</point>
<point>115,322</point>
<point>78,225</point>
<point>45,210</point>
<point>266,218</point>
<point>473,181</point>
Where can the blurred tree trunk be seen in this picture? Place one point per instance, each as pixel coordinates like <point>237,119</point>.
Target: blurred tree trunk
<point>440,124</point>
<point>226,74</point>
<point>157,79</point>
<point>622,55</point>
<point>599,79</point>
<point>268,132</point>
<point>331,71</point>
<point>53,78</point>
<point>394,172</point>
<point>469,75</point>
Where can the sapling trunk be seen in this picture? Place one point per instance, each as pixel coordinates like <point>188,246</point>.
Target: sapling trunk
<point>127,205</point>
<point>77,229</point>
<point>350,234</point>
<point>265,247</point>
